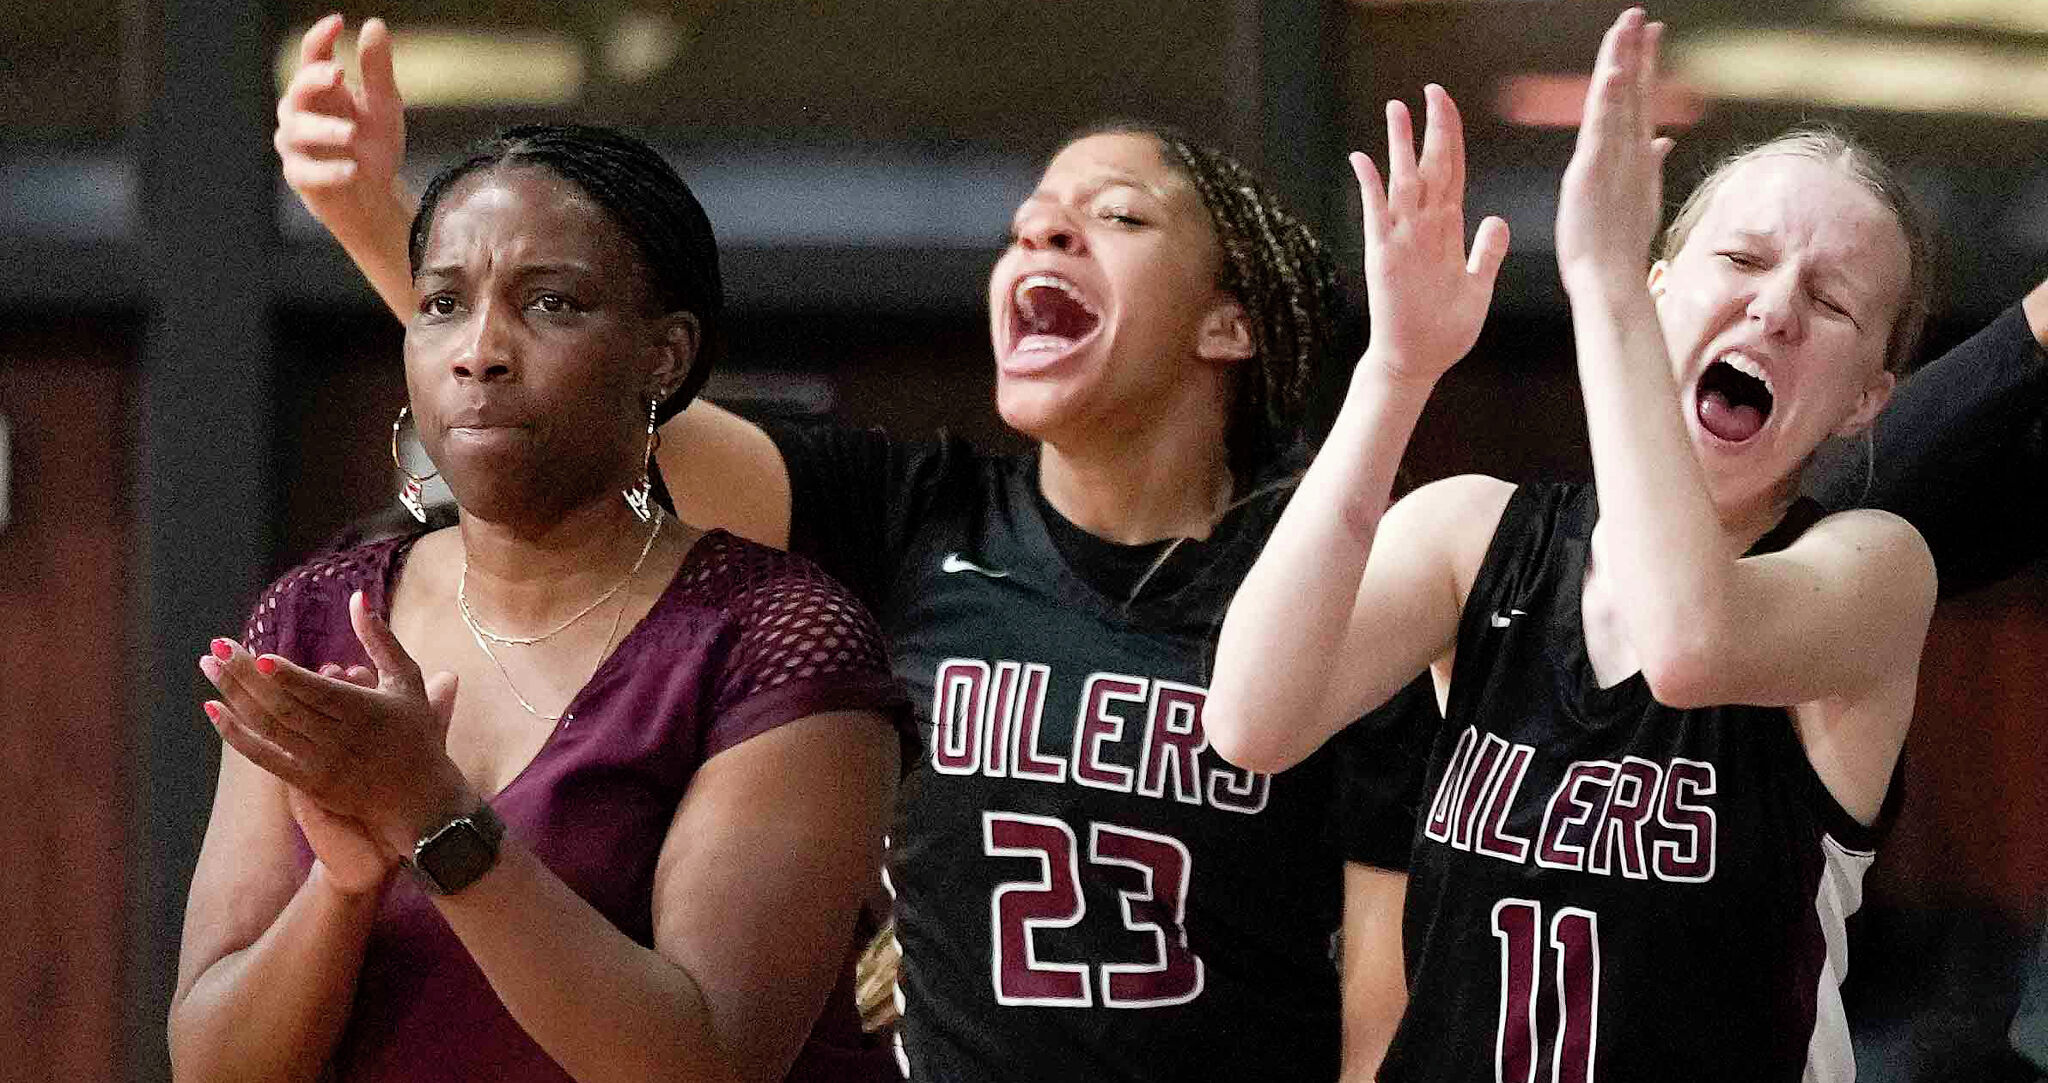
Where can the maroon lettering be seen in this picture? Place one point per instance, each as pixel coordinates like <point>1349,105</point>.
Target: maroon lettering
<point>1097,724</point>
<point>1485,766</point>
<point>1026,761</point>
<point>1173,737</point>
<point>1447,792</point>
<point>1619,831</point>
<point>1685,853</point>
<point>1554,851</point>
<point>959,697</point>
<point>1494,840</point>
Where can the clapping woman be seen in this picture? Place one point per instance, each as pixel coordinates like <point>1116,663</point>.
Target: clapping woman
<point>636,773</point>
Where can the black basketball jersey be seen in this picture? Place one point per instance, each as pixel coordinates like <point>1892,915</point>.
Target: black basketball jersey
<point>1604,888</point>
<point>1083,889</point>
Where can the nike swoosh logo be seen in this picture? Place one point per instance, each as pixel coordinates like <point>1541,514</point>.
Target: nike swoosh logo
<point>955,563</point>
<point>1502,620</point>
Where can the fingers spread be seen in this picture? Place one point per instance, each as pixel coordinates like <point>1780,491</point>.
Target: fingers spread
<point>331,696</point>
<point>373,52</point>
<point>1400,156</point>
<point>257,700</point>
<point>318,44</point>
<point>276,753</point>
<point>1371,195</point>
<point>1443,144</point>
<point>1489,248</point>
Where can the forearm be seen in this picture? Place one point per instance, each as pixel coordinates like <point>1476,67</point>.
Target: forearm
<point>1375,973</point>
<point>274,1010</point>
<point>375,234</point>
<point>605,1008</point>
<point>1270,702</point>
<point>1660,537</point>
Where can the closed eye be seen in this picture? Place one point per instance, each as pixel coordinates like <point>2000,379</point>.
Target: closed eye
<point>1743,260</point>
<point>1835,308</point>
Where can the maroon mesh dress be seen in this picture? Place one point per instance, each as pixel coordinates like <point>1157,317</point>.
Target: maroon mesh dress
<point>744,639</point>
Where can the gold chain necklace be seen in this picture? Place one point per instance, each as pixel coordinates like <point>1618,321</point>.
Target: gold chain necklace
<point>476,626</point>
<point>483,635</point>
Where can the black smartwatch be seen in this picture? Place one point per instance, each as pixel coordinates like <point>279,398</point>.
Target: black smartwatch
<point>456,854</point>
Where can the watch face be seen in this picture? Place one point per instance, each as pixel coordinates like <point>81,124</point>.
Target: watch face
<point>455,857</point>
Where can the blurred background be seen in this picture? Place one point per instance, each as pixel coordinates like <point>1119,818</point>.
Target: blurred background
<point>195,387</point>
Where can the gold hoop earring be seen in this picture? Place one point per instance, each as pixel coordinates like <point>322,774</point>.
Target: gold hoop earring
<point>411,493</point>
<point>641,496</point>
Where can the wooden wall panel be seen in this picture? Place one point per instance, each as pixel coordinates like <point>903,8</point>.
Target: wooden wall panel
<point>1974,832</point>
<point>64,754</point>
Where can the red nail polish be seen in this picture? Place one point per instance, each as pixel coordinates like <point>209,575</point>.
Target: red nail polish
<point>223,650</point>
<point>266,665</point>
<point>212,710</point>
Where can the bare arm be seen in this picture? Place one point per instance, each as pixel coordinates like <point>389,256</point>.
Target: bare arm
<point>1707,626</point>
<point>761,873</point>
<point>268,964</point>
<point>1287,641</point>
<point>341,148</point>
<point>1375,974</point>
<point>759,880</point>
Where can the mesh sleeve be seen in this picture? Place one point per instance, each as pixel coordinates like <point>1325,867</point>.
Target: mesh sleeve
<point>802,645</point>
<point>303,615</point>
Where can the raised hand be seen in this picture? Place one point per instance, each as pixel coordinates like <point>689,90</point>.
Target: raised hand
<point>1612,196</point>
<point>375,755</point>
<point>341,147</point>
<point>1427,297</point>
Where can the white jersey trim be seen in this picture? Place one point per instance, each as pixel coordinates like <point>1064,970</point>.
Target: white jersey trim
<point>1829,1058</point>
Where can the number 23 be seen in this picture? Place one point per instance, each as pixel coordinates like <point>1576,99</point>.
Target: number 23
<point>1017,908</point>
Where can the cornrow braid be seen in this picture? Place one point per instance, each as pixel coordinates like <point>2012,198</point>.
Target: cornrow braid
<point>1275,267</point>
<point>643,195</point>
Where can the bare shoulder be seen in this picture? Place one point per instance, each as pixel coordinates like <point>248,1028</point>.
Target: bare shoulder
<point>1454,517</point>
<point>1462,497</point>
<point>1871,542</point>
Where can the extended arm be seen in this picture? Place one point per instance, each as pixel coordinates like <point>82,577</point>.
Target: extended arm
<point>1707,625</point>
<point>1311,640</point>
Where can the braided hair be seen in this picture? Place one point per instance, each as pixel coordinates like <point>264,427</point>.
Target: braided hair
<point>1274,266</point>
<point>644,197</point>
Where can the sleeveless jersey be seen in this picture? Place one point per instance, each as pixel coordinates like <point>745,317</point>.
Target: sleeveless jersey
<point>1605,888</point>
<point>1083,889</point>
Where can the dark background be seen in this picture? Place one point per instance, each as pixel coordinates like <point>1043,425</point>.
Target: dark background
<point>198,387</point>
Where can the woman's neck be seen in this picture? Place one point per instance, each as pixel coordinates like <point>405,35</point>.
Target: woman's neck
<point>1154,486</point>
<point>1744,521</point>
<point>526,574</point>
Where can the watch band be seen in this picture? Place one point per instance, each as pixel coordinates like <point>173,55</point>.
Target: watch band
<point>458,853</point>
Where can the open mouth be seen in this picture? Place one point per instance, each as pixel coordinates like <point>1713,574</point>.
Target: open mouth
<point>1734,398</point>
<point>1049,315</point>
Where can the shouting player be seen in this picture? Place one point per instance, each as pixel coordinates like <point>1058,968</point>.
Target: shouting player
<point>1673,716</point>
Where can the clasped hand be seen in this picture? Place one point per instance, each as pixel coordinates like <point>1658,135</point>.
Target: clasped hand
<point>363,752</point>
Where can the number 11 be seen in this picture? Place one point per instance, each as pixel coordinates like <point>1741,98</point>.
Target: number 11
<point>1575,940</point>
